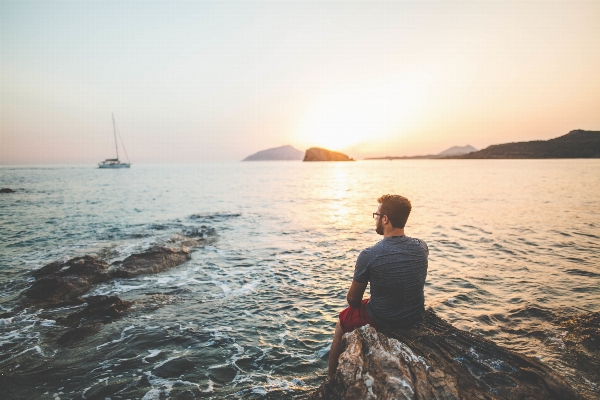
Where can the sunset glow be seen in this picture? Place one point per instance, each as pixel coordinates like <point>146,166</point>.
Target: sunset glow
<point>370,110</point>
<point>218,81</point>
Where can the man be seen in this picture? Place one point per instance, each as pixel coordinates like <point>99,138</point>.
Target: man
<point>396,267</point>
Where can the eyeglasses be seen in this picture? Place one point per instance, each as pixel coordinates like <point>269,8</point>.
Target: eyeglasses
<point>374,214</point>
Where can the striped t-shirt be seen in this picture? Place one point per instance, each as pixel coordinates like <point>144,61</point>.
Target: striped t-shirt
<point>396,268</point>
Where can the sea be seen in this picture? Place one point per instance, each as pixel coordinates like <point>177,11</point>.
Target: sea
<point>514,246</point>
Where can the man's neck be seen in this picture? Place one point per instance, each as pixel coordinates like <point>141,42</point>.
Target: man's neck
<point>394,232</point>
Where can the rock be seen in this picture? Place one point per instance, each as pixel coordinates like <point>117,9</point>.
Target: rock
<point>6,190</point>
<point>434,360</point>
<point>101,308</point>
<point>87,322</point>
<point>86,266</point>
<point>201,232</point>
<point>79,334</point>
<point>154,260</point>
<point>62,282</point>
<point>319,154</point>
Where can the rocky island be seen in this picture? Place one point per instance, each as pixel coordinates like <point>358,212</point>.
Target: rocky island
<point>285,153</point>
<point>319,154</point>
<point>575,144</point>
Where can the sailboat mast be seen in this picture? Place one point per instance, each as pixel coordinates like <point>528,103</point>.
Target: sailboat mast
<point>115,132</point>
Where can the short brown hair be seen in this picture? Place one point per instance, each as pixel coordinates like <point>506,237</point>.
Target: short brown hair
<point>397,208</point>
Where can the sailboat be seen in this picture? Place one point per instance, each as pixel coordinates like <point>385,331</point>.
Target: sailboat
<point>114,162</point>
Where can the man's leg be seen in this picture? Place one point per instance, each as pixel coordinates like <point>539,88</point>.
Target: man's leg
<point>336,350</point>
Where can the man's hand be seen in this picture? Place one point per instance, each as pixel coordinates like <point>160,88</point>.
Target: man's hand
<point>355,293</point>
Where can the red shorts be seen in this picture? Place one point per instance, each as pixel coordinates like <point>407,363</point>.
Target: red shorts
<point>352,317</point>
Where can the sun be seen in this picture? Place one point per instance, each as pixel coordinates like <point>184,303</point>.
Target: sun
<point>361,112</point>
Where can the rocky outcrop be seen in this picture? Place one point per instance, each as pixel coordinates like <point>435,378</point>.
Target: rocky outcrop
<point>437,361</point>
<point>152,261</point>
<point>319,154</point>
<point>62,282</point>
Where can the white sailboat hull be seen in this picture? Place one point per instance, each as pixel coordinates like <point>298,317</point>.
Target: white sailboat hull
<point>113,166</point>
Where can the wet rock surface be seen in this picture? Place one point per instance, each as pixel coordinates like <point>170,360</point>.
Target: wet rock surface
<point>102,308</point>
<point>87,322</point>
<point>62,282</point>
<point>152,261</point>
<point>434,360</point>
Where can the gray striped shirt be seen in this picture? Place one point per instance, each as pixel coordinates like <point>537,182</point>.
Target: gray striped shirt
<point>396,268</point>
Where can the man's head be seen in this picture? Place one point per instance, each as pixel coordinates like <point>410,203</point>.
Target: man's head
<point>396,208</point>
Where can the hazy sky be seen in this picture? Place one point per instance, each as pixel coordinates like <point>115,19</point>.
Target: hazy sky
<point>203,81</point>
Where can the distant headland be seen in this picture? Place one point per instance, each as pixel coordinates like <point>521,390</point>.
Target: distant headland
<point>452,151</point>
<point>575,144</point>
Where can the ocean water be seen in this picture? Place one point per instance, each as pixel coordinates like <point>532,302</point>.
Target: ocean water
<point>514,244</point>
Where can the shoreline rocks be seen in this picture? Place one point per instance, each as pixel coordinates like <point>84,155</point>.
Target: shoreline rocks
<point>319,154</point>
<point>434,360</point>
<point>152,261</point>
<point>62,283</point>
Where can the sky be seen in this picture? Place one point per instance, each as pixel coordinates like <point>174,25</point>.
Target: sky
<point>200,81</point>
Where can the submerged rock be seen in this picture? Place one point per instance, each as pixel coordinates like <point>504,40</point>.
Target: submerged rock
<point>434,360</point>
<point>103,308</point>
<point>319,154</point>
<point>154,260</point>
<point>87,322</point>
<point>78,334</point>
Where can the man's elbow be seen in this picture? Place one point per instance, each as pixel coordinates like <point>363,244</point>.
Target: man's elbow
<point>353,301</point>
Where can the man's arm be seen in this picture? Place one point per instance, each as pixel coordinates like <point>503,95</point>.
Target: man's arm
<point>355,293</point>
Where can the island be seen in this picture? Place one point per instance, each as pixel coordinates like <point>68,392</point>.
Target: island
<point>575,144</point>
<point>452,151</point>
<point>286,153</point>
<point>319,154</point>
